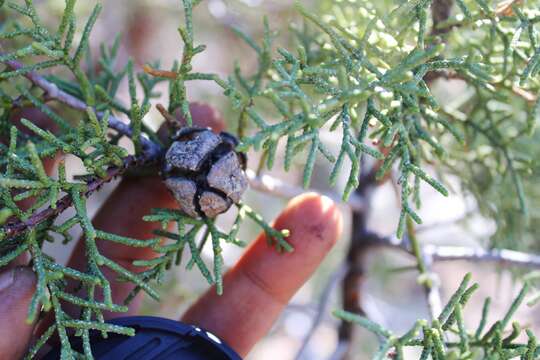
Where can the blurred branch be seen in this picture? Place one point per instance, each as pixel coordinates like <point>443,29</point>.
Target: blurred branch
<point>502,257</point>
<point>437,225</point>
<point>322,308</point>
<point>426,279</point>
<point>361,241</point>
<point>448,74</point>
<point>433,289</point>
<point>275,186</point>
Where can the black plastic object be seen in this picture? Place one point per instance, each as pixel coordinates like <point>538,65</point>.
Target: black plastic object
<point>155,339</point>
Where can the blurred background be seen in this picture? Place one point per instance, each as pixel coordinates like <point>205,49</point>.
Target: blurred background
<point>389,294</point>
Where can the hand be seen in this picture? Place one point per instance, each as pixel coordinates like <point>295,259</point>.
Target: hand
<point>257,288</point>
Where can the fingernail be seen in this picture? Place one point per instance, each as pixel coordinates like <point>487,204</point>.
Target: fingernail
<point>326,203</point>
<point>6,279</point>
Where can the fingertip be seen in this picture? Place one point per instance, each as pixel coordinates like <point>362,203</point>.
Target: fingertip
<point>314,224</point>
<point>266,279</point>
<point>310,218</point>
<point>312,203</point>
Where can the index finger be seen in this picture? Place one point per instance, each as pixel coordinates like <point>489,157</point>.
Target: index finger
<point>261,284</point>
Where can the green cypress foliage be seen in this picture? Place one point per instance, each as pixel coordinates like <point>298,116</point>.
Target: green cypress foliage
<point>365,71</point>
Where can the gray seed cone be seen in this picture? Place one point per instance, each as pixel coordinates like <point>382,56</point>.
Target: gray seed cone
<point>204,172</point>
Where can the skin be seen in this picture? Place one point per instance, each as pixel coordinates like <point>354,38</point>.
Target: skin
<point>257,288</point>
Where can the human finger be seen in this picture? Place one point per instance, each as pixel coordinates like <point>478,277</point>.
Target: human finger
<point>17,285</point>
<point>261,284</point>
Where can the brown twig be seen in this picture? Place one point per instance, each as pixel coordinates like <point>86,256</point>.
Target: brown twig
<point>160,73</point>
<point>15,228</point>
<point>440,12</point>
<point>526,95</point>
<point>361,241</point>
<point>504,8</point>
<point>172,122</point>
<point>151,152</point>
<point>52,91</point>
